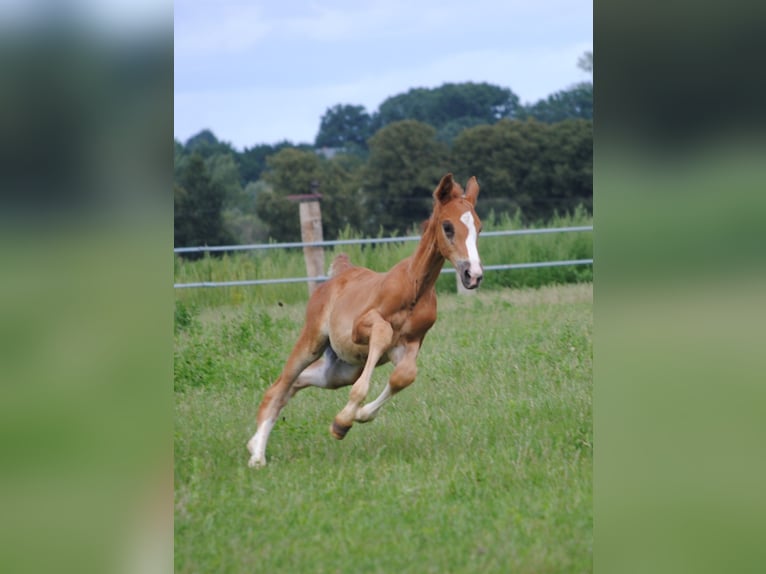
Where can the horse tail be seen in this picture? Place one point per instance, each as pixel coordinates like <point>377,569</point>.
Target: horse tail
<point>339,265</point>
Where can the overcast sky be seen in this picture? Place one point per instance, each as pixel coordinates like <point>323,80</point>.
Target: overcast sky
<point>262,71</point>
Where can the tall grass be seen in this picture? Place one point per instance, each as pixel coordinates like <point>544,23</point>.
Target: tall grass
<point>281,263</point>
<point>483,465</point>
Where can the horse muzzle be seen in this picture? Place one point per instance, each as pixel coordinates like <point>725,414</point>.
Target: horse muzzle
<point>470,273</point>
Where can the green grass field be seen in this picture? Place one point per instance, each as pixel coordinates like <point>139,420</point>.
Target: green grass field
<point>484,464</point>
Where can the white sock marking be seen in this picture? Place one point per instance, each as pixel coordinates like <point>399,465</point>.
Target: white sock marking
<point>257,444</point>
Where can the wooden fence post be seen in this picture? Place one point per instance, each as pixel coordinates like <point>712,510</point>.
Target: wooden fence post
<point>311,232</point>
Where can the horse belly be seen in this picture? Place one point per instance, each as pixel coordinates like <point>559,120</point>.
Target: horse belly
<point>348,351</point>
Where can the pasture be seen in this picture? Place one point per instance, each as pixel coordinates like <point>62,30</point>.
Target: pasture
<point>484,464</point>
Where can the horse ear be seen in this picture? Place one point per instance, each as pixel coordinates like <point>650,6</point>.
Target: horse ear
<point>472,190</point>
<point>443,191</point>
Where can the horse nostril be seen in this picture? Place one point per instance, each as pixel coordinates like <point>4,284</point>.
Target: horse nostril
<point>467,275</point>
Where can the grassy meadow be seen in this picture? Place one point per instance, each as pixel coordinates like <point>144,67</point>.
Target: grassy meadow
<point>484,464</point>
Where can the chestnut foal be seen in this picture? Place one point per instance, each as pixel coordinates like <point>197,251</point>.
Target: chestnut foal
<point>360,319</point>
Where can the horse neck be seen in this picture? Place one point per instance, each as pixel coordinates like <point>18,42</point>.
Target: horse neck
<point>426,263</point>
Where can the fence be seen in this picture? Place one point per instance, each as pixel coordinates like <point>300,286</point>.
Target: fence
<point>331,243</point>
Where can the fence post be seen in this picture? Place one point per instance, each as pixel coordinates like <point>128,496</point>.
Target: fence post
<point>311,232</point>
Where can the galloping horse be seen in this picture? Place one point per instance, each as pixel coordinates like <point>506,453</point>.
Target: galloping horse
<point>360,319</point>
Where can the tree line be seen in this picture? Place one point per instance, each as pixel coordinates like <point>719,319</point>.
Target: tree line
<point>376,171</point>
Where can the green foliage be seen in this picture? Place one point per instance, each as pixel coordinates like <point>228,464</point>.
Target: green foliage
<point>483,465</point>
<point>198,201</point>
<point>298,172</point>
<point>224,172</point>
<point>252,161</point>
<point>568,165</point>
<point>438,107</point>
<point>342,199</point>
<point>344,125</point>
<point>451,129</point>
<point>246,228</point>
<point>179,159</point>
<point>575,102</point>
<point>184,316</point>
<point>290,172</point>
<point>585,62</point>
<point>528,165</point>
<point>405,164</point>
<point>207,145</point>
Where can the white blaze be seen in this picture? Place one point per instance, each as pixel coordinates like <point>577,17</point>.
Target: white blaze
<point>470,243</point>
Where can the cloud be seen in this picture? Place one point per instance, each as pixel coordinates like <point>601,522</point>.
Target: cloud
<point>234,26</point>
<point>218,29</point>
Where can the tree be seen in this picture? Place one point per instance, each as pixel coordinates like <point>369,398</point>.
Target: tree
<point>536,167</point>
<point>570,163</point>
<point>289,172</point>
<point>183,225</point>
<point>477,103</point>
<point>252,161</point>
<point>573,103</point>
<point>405,164</point>
<point>294,172</point>
<point>206,144</point>
<point>342,125</point>
<point>179,158</point>
<point>242,221</point>
<point>224,171</point>
<point>502,156</point>
<point>198,202</point>
<point>449,131</point>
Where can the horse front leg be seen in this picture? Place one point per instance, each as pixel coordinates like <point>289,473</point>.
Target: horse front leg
<point>378,334</point>
<point>404,373</point>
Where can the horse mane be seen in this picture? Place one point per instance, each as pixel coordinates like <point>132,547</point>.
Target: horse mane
<point>339,264</point>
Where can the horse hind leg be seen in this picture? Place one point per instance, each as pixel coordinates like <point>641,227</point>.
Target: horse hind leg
<point>306,351</point>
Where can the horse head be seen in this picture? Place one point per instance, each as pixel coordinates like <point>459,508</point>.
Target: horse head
<point>457,228</point>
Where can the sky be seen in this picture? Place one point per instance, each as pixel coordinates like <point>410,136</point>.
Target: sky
<point>265,71</point>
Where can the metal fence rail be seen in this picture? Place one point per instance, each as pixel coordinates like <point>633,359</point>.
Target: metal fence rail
<point>246,282</point>
<point>332,243</point>
<point>368,241</point>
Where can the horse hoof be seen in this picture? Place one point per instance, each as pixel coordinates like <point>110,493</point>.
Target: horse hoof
<point>339,431</point>
<point>256,462</point>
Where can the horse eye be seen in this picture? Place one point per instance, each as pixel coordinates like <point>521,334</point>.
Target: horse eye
<point>449,230</point>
